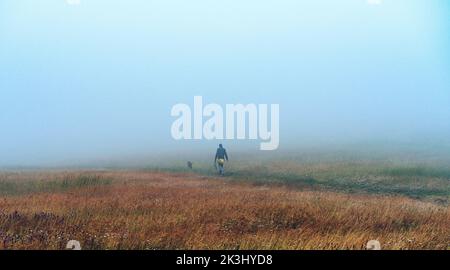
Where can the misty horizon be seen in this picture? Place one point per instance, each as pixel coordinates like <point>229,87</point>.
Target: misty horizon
<point>94,82</point>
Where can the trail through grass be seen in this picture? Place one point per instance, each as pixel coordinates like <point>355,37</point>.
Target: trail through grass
<point>415,181</point>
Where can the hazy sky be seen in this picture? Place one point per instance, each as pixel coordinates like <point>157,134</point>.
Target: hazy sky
<point>98,79</point>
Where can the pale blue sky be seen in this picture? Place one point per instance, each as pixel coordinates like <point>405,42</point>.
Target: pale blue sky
<point>98,79</point>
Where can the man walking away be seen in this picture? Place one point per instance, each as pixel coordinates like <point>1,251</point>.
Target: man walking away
<point>221,156</point>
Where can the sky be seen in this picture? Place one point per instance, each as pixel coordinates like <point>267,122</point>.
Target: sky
<point>94,79</point>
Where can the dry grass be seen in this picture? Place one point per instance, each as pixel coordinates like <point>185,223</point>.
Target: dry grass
<point>148,210</point>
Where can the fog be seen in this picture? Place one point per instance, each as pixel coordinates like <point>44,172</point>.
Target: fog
<point>95,80</point>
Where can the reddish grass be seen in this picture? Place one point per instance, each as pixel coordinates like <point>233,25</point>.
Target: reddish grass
<point>146,210</point>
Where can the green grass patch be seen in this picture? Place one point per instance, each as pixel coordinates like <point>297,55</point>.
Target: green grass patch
<point>10,187</point>
<point>373,178</point>
<point>417,172</point>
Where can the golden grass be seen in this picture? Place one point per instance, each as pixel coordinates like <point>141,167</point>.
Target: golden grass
<point>148,210</point>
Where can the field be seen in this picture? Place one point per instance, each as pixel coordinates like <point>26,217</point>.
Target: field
<point>281,205</point>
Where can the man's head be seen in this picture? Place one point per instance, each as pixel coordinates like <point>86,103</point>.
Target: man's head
<point>220,146</point>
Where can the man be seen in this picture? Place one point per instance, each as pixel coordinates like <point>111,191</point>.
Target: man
<point>221,156</point>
